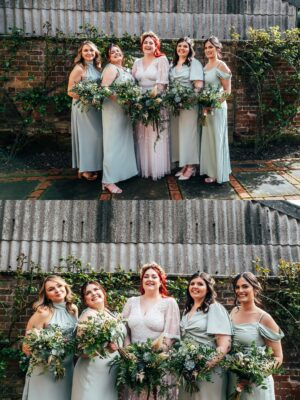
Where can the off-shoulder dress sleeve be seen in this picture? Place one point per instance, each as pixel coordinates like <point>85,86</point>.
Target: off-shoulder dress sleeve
<point>172,320</point>
<point>163,70</point>
<point>218,321</point>
<point>223,75</point>
<point>270,334</point>
<point>196,71</point>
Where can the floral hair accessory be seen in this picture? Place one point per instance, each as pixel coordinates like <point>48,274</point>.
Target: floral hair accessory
<point>151,265</point>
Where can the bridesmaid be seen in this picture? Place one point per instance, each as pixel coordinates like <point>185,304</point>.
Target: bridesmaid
<point>151,72</point>
<point>207,322</point>
<point>119,162</point>
<point>86,126</point>
<point>153,313</point>
<point>253,324</point>
<point>54,307</point>
<point>188,72</point>
<point>93,379</point>
<point>214,156</point>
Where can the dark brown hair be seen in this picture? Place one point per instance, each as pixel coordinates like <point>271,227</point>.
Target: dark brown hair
<point>210,296</point>
<point>216,43</point>
<point>253,281</point>
<point>85,285</point>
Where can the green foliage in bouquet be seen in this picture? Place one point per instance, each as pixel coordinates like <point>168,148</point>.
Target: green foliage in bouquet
<point>97,332</point>
<point>179,97</point>
<point>49,347</point>
<point>211,97</point>
<point>251,364</point>
<point>187,361</point>
<point>91,94</point>
<point>142,367</point>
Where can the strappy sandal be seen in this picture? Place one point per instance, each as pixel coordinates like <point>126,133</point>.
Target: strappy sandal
<point>189,171</point>
<point>210,180</point>
<point>181,172</point>
<point>111,188</point>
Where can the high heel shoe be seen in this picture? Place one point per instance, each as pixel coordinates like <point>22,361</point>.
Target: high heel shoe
<point>179,173</point>
<point>112,188</point>
<point>210,180</point>
<point>190,171</point>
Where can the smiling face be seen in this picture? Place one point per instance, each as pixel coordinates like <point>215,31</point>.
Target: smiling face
<point>210,50</point>
<point>55,291</point>
<point>198,289</point>
<point>115,55</point>
<point>88,53</point>
<point>94,297</point>
<point>183,49</point>
<point>151,281</point>
<point>244,291</point>
<point>148,46</point>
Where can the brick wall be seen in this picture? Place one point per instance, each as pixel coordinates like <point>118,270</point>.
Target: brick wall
<point>27,71</point>
<point>287,385</point>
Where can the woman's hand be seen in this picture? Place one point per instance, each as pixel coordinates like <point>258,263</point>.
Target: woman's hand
<point>112,347</point>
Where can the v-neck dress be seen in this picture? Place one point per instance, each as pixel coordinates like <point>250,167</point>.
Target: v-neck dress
<point>119,161</point>
<point>245,334</point>
<point>202,328</point>
<point>153,156</point>
<point>185,128</point>
<point>162,318</point>
<point>42,385</point>
<point>214,153</point>
<point>93,379</point>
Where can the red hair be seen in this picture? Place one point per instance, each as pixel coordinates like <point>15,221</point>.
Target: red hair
<point>155,38</point>
<point>162,277</point>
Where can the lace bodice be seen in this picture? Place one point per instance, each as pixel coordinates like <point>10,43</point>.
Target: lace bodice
<point>163,317</point>
<point>156,73</point>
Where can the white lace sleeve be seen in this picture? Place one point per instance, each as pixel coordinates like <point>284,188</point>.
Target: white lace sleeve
<point>172,320</point>
<point>127,308</point>
<point>134,68</point>
<point>163,71</point>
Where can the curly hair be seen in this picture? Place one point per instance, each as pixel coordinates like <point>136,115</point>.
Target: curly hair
<point>190,55</point>
<point>80,60</point>
<point>43,300</point>
<point>156,40</point>
<point>162,277</point>
<point>209,298</point>
<point>253,281</point>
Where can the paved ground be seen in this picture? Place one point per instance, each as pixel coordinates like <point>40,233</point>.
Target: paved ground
<point>250,180</point>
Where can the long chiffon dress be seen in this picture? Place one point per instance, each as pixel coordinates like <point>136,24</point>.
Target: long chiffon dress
<point>119,162</point>
<point>86,128</point>
<point>202,328</point>
<point>93,379</point>
<point>153,156</point>
<point>42,385</point>
<point>214,153</point>
<point>185,129</point>
<point>162,318</point>
<point>246,334</point>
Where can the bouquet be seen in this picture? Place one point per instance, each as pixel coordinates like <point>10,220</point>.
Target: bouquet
<point>251,364</point>
<point>49,347</point>
<point>97,332</point>
<point>128,97</point>
<point>179,97</point>
<point>142,367</point>
<point>90,93</point>
<point>210,97</point>
<point>188,363</point>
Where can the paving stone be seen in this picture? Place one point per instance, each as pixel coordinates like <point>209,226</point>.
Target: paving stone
<point>264,184</point>
<point>72,190</point>
<point>295,173</point>
<point>195,188</point>
<point>287,163</point>
<point>143,189</point>
<point>249,165</point>
<point>16,190</point>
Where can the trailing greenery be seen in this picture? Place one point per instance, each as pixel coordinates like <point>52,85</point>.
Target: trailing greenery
<point>269,62</point>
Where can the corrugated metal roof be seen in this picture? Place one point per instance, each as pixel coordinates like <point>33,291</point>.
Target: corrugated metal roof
<point>169,19</point>
<point>213,234</point>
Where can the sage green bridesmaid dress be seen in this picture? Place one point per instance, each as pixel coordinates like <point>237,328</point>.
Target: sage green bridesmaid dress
<point>93,379</point>
<point>86,128</point>
<point>214,153</point>
<point>185,129</point>
<point>245,334</point>
<point>119,162</point>
<point>202,328</point>
<point>43,385</point>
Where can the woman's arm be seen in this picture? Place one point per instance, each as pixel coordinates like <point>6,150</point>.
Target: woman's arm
<point>109,75</point>
<point>223,343</point>
<point>198,85</point>
<point>269,323</point>
<point>75,77</point>
<point>38,320</point>
<point>226,83</point>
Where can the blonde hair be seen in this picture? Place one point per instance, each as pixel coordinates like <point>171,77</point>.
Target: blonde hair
<point>43,301</point>
<point>80,60</point>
